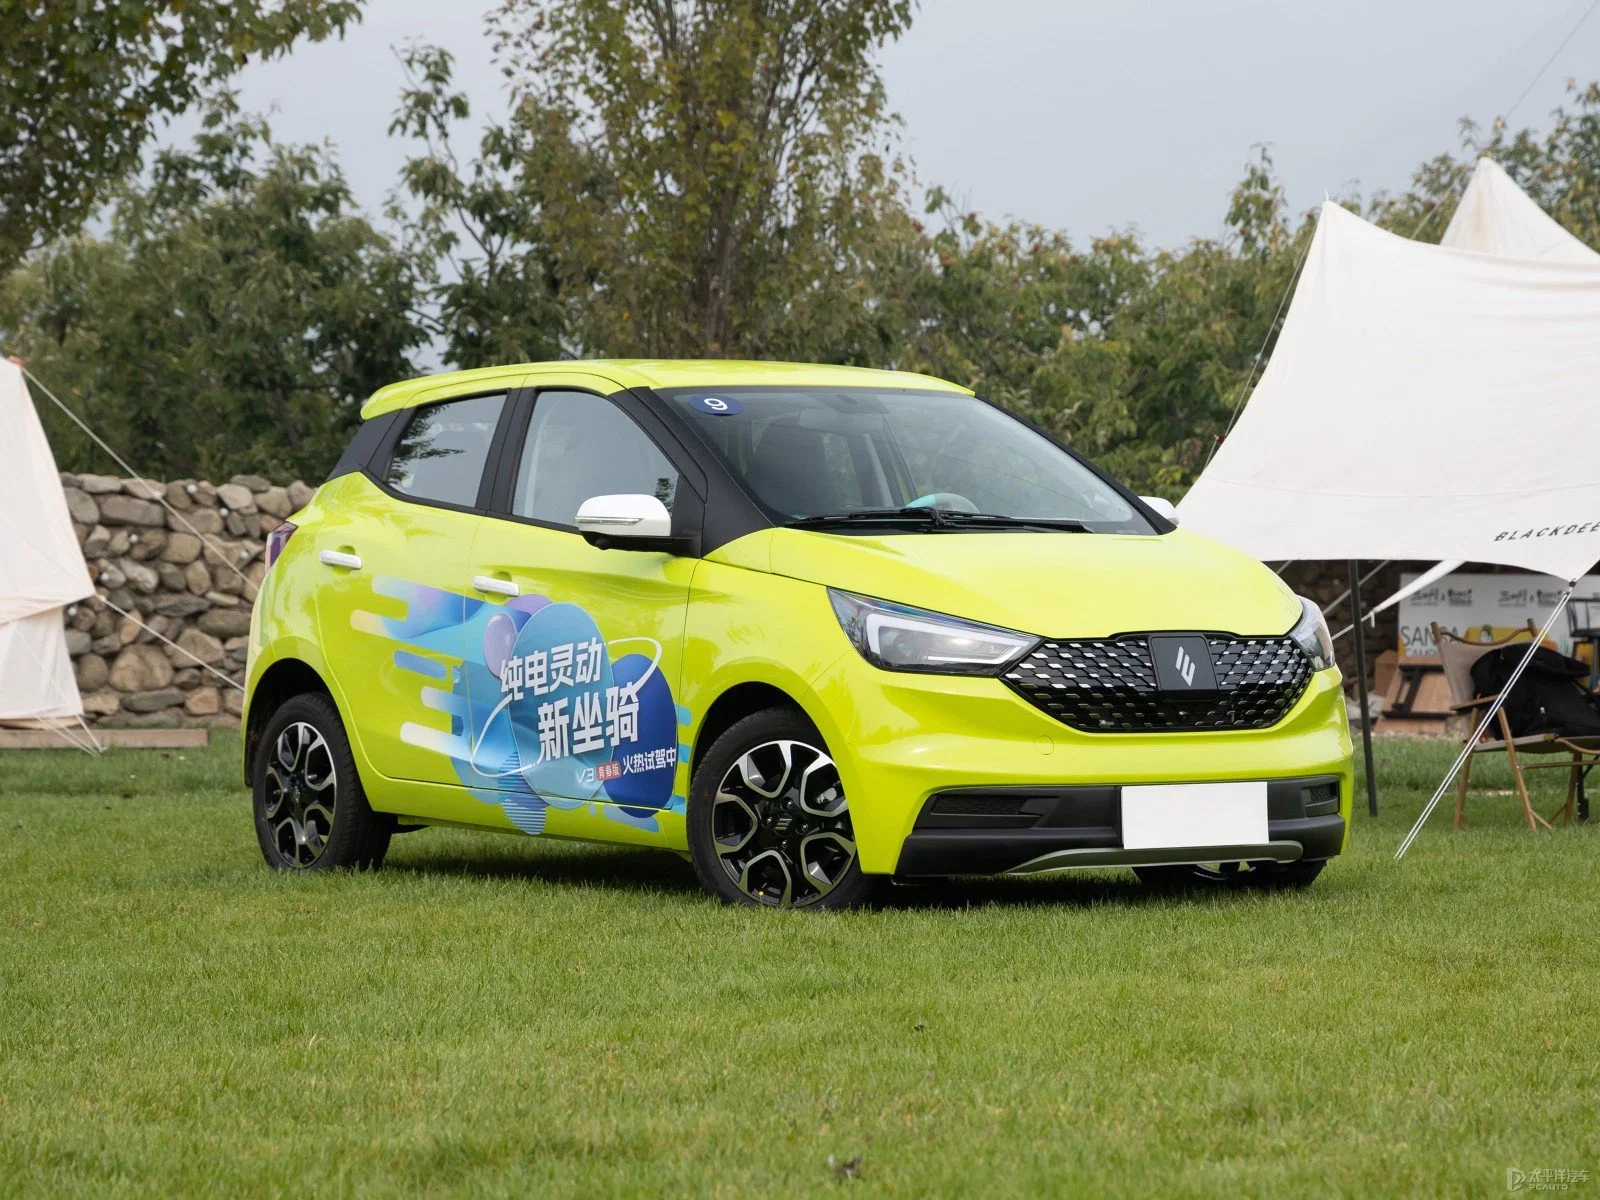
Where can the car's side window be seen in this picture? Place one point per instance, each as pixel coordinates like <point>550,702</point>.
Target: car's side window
<point>580,445</point>
<point>443,449</point>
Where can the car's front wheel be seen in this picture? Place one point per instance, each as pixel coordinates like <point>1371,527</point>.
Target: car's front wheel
<point>311,812</point>
<point>769,822</point>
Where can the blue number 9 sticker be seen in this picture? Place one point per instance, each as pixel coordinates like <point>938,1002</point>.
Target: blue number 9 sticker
<point>717,406</point>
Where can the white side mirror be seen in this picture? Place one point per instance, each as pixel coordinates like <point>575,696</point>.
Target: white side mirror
<point>1163,508</point>
<point>625,516</point>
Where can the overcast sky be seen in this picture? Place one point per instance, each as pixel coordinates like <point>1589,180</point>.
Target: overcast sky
<point>1085,117</point>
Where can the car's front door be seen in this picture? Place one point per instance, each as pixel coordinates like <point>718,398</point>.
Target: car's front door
<point>575,702</point>
<point>396,591</point>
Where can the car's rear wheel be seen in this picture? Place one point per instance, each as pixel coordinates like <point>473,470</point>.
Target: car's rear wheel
<point>769,822</point>
<point>311,812</point>
<point>1263,876</point>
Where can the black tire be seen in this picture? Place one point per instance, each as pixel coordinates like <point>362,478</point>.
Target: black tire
<point>1262,876</point>
<point>311,812</point>
<point>787,844</point>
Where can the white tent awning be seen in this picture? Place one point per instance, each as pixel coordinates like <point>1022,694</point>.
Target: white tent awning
<point>36,680</point>
<point>1423,402</point>
<point>1495,216</point>
<point>41,564</point>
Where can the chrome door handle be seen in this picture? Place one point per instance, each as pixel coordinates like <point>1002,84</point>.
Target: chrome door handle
<point>488,583</point>
<point>338,558</point>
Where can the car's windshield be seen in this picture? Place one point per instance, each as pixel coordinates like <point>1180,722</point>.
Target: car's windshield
<point>814,451</point>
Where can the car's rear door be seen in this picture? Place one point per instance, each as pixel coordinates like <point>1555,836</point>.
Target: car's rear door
<point>396,594</point>
<point>576,701</point>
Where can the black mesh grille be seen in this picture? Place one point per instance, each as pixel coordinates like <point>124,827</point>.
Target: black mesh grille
<point>1320,799</point>
<point>978,804</point>
<point>1109,685</point>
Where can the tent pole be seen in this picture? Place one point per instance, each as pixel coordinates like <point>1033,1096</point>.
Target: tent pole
<point>1361,684</point>
<point>1483,725</point>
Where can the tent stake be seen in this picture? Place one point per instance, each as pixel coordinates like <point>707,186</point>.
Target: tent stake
<point>1361,685</point>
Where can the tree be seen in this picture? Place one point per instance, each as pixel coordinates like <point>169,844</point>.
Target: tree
<point>82,84</point>
<point>707,167</point>
<point>1135,358</point>
<point>1014,312</point>
<point>1560,170</point>
<point>477,232</point>
<point>231,320</point>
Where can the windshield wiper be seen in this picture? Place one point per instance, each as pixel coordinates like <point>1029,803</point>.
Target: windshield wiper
<point>922,514</point>
<point>937,518</point>
<point>997,521</point>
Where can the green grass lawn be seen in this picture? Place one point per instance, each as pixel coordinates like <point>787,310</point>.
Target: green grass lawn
<point>491,1015</point>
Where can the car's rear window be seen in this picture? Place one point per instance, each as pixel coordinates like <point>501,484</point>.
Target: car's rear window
<point>443,450</point>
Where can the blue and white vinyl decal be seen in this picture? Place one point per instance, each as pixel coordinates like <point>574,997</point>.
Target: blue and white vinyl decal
<point>546,711</point>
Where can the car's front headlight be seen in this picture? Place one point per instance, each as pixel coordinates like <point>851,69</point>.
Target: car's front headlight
<point>897,637</point>
<point>1311,633</point>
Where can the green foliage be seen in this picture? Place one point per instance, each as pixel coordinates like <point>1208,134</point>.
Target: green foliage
<point>477,228</point>
<point>1560,170</point>
<point>231,320</point>
<point>711,178</point>
<point>1133,357</point>
<point>82,84</point>
<point>707,172</point>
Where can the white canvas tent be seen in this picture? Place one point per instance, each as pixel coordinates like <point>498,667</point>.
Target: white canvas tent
<point>1495,216</point>
<point>1494,360</point>
<point>41,566</point>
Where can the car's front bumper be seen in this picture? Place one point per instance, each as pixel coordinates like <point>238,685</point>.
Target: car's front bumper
<point>902,739</point>
<point>991,831</point>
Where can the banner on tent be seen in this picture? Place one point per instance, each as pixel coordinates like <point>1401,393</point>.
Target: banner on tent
<point>1483,608</point>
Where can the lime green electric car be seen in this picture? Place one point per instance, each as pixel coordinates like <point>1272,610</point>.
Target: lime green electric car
<point>809,626</point>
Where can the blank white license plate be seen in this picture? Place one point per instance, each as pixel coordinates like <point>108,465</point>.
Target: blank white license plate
<point>1171,816</point>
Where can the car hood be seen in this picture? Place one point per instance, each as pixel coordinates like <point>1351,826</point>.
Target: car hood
<point>1051,584</point>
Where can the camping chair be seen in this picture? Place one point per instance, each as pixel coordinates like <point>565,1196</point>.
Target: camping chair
<point>1456,656</point>
<point>1583,629</point>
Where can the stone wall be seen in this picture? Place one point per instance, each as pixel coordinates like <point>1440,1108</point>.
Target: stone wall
<point>145,561</point>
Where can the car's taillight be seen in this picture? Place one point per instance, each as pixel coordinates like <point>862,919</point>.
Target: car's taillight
<point>277,540</point>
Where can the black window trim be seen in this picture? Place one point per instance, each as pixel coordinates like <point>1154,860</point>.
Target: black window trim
<point>378,468</point>
<point>722,508</point>
<point>687,518</point>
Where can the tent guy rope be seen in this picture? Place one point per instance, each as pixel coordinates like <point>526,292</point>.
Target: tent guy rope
<point>1345,595</point>
<point>1483,725</point>
<point>159,495</point>
<point>227,679</point>
<point>1261,354</point>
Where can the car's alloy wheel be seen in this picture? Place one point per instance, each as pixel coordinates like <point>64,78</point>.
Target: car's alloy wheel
<point>311,813</point>
<point>769,821</point>
<point>781,824</point>
<point>302,794</point>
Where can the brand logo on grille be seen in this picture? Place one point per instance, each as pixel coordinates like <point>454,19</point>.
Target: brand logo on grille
<point>1183,663</point>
